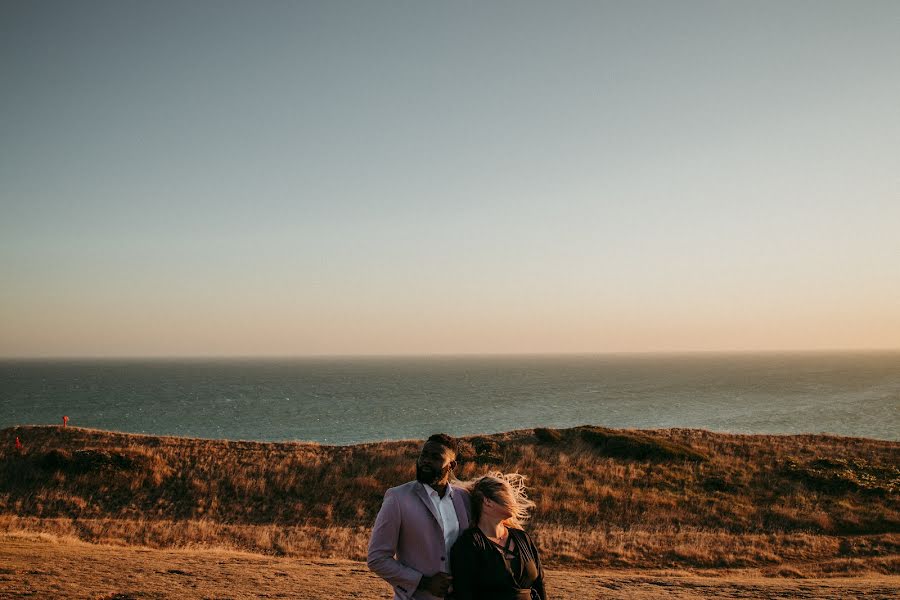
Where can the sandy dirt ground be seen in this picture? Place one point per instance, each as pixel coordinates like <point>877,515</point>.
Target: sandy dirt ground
<point>34,566</point>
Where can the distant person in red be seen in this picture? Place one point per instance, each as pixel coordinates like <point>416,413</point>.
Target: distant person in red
<point>18,443</point>
<point>65,421</point>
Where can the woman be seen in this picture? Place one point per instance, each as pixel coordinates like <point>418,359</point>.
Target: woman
<point>495,559</point>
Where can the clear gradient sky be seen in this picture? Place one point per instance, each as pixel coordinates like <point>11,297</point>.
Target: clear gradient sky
<point>303,178</point>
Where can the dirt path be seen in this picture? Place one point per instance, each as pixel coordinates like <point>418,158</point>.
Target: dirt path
<point>40,567</point>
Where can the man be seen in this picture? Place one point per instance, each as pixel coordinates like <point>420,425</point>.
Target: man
<point>418,523</point>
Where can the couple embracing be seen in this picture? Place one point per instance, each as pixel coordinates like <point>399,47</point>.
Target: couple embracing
<point>462,540</point>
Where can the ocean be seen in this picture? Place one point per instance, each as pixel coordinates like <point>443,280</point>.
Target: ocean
<point>352,400</point>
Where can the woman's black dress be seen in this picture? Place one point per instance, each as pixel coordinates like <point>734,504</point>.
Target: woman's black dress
<point>482,570</point>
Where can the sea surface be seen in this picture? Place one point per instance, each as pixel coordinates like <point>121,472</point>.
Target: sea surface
<point>351,400</point>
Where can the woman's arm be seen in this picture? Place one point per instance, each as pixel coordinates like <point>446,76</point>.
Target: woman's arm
<point>539,582</point>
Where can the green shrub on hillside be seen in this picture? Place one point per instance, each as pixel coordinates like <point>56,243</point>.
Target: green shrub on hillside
<point>547,435</point>
<point>837,476</point>
<point>638,446</point>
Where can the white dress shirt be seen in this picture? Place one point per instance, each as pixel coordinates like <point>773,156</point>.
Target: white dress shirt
<point>449,521</point>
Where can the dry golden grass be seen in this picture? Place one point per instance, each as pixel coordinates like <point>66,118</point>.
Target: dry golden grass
<point>820,505</point>
<point>43,566</point>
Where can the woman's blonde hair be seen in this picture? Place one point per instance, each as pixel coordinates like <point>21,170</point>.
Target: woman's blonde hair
<point>506,489</point>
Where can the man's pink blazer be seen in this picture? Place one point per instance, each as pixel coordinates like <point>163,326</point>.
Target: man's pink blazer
<point>408,540</point>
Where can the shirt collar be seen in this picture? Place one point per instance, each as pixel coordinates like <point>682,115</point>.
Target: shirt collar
<point>431,491</point>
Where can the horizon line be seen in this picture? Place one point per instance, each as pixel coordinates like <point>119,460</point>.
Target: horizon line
<point>407,355</point>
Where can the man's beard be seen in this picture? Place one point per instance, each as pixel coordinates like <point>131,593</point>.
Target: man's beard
<point>428,476</point>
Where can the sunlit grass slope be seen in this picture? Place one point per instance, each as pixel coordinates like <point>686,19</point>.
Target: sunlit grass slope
<point>652,498</point>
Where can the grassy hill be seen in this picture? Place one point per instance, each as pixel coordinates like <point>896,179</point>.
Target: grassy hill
<point>681,498</point>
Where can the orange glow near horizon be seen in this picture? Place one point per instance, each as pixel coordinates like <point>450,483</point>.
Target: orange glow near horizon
<point>365,180</point>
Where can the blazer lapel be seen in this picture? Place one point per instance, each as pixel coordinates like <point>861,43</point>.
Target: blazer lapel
<point>462,515</point>
<point>423,496</point>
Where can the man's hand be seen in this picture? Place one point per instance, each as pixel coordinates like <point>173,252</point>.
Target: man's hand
<point>437,584</point>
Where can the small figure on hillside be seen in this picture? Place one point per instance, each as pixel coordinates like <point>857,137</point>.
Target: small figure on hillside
<point>65,421</point>
<point>418,524</point>
<point>18,444</point>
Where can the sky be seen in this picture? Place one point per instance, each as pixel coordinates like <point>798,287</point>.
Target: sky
<point>318,178</point>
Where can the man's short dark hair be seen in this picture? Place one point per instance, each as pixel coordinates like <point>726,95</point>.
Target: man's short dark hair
<point>445,440</point>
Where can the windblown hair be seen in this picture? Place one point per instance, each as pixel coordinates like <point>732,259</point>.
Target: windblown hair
<point>507,489</point>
